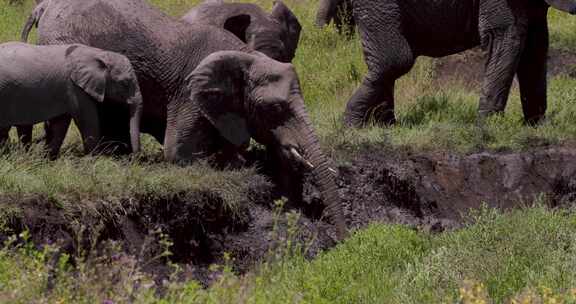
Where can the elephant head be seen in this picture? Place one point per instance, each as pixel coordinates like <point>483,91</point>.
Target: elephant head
<point>252,96</point>
<point>107,75</point>
<point>288,31</point>
<point>563,5</point>
<point>276,35</point>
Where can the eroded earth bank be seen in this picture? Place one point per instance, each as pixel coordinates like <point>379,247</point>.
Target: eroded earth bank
<point>430,191</point>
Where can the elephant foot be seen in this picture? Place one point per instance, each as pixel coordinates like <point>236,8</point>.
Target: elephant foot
<point>534,121</point>
<point>381,118</point>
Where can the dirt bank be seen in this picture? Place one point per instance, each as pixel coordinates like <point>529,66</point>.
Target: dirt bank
<point>430,191</point>
<point>467,68</point>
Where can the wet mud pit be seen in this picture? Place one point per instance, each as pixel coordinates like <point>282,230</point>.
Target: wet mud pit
<point>430,191</point>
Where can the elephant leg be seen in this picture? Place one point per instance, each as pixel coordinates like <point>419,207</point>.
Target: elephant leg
<point>504,51</point>
<point>198,141</point>
<point>56,130</point>
<point>326,11</point>
<point>88,123</point>
<point>4,135</point>
<point>25,134</point>
<point>228,155</point>
<point>532,73</point>
<point>116,131</point>
<point>388,56</point>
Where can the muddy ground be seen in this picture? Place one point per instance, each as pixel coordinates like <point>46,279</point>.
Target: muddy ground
<point>429,191</point>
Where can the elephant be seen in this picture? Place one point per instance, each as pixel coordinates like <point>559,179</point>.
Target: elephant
<point>339,11</point>
<point>46,83</point>
<point>276,35</point>
<point>394,32</point>
<point>164,52</point>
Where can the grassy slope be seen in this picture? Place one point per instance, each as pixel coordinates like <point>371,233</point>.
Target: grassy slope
<point>527,249</point>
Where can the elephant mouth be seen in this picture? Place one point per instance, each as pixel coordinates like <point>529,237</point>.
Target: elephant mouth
<point>295,155</point>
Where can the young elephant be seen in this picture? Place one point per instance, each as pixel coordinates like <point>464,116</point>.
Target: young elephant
<point>394,32</point>
<point>244,96</point>
<point>275,34</point>
<point>48,83</point>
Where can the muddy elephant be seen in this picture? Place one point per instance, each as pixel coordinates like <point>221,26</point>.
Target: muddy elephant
<point>44,83</point>
<point>275,34</point>
<point>394,32</point>
<point>164,52</point>
<point>339,11</point>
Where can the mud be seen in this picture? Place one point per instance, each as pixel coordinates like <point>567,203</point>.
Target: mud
<point>429,191</point>
<point>467,68</point>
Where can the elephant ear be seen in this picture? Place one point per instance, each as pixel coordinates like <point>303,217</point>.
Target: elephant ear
<point>238,25</point>
<point>282,14</point>
<point>218,86</point>
<point>88,71</point>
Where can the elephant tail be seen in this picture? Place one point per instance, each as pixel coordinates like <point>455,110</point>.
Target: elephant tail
<point>33,20</point>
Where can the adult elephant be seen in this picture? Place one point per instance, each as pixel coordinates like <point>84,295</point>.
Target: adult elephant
<point>275,34</point>
<point>164,52</point>
<point>394,32</point>
<point>339,11</point>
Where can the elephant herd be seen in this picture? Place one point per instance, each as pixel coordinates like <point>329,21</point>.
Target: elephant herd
<point>208,83</point>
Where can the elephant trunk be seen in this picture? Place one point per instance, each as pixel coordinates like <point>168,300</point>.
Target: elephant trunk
<point>135,104</point>
<point>325,12</point>
<point>303,147</point>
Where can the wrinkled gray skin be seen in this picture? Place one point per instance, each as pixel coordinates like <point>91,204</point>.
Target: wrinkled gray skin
<point>339,11</point>
<point>43,83</point>
<point>394,32</point>
<point>275,35</point>
<point>164,52</point>
<point>263,100</point>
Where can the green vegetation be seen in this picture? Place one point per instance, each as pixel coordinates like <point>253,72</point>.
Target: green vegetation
<point>526,255</point>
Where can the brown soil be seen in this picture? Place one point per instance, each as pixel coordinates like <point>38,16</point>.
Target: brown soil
<point>430,191</point>
<point>467,68</point>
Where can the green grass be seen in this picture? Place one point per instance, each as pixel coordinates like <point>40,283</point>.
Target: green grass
<point>528,253</point>
<point>525,254</point>
<point>330,79</point>
<point>393,264</point>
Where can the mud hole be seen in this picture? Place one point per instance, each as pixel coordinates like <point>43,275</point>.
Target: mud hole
<point>467,68</point>
<point>429,191</point>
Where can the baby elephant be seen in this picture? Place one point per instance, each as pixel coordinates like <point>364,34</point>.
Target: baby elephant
<point>55,82</point>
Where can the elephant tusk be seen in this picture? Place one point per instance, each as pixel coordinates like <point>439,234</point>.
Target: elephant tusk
<point>332,170</point>
<point>300,158</point>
